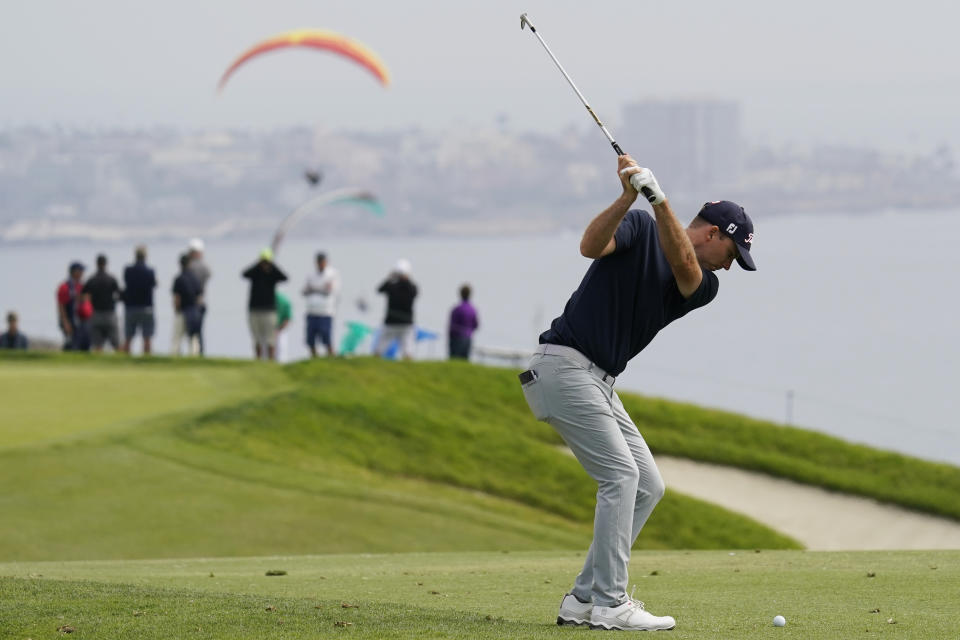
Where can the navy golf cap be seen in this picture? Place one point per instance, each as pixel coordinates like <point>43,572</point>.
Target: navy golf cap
<point>76,265</point>
<point>733,221</point>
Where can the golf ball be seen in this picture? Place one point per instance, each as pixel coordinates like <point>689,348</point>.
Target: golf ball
<point>779,621</point>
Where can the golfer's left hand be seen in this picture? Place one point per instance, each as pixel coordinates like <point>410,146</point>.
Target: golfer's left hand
<point>643,181</point>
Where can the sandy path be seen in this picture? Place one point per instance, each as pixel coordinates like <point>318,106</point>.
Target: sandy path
<point>818,519</point>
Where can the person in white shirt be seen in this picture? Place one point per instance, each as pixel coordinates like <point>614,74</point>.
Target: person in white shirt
<point>322,292</point>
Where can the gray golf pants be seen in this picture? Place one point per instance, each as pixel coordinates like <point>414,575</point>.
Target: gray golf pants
<point>569,394</point>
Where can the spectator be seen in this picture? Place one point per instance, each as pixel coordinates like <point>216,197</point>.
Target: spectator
<point>186,300</point>
<point>398,324</point>
<point>463,322</point>
<point>74,311</point>
<point>139,281</point>
<point>284,314</point>
<point>262,317</point>
<point>12,339</point>
<point>103,292</point>
<point>201,272</point>
<point>322,291</point>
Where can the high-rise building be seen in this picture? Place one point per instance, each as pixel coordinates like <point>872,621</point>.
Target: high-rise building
<point>691,145</point>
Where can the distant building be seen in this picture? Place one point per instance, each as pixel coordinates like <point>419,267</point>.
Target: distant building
<point>691,145</point>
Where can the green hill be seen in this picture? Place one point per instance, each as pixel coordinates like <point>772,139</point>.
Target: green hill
<point>115,458</point>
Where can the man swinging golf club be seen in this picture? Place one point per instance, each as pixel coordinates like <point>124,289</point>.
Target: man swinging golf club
<point>647,272</point>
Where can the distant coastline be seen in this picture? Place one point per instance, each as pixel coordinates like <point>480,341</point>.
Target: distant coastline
<point>138,185</point>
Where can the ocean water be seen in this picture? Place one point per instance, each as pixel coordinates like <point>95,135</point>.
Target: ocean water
<point>850,325</point>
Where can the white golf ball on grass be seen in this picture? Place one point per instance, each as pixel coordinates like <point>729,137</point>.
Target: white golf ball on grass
<point>779,621</point>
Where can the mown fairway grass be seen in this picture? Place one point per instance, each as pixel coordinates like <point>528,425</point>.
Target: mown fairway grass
<point>712,594</point>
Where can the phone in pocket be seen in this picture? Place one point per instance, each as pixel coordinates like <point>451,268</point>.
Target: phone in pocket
<point>533,393</point>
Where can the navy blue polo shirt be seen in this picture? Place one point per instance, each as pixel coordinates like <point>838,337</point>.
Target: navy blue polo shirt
<point>187,287</point>
<point>139,281</point>
<point>625,298</point>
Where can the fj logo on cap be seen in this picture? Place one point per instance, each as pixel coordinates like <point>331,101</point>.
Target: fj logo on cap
<point>731,228</point>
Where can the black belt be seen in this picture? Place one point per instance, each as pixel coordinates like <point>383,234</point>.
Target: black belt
<point>576,356</point>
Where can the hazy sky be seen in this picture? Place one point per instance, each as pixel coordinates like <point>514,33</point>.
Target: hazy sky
<point>876,73</point>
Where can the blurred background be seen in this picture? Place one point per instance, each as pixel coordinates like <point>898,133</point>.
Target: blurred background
<point>834,125</point>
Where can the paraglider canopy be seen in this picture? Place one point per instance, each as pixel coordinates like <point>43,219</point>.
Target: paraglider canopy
<point>314,39</point>
<point>314,205</point>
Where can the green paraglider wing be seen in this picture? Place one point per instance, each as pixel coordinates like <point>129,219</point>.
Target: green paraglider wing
<point>315,205</point>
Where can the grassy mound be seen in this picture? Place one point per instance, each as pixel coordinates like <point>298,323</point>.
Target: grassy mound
<point>228,458</point>
<point>448,423</point>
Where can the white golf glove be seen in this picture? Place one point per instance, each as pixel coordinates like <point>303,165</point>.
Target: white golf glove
<point>645,182</point>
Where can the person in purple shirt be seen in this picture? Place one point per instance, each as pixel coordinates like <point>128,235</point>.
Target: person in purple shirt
<point>463,322</point>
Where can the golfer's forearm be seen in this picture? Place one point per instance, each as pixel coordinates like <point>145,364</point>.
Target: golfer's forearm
<point>600,231</point>
<point>677,248</point>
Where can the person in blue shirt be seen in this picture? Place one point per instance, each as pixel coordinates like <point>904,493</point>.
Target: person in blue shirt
<point>13,339</point>
<point>139,281</point>
<point>646,273</point>
<point>186,306</point>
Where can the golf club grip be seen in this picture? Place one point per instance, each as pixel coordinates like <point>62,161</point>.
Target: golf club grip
<point>646,191</point>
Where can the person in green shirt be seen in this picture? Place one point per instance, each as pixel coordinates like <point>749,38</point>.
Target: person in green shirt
<point>284,313</point>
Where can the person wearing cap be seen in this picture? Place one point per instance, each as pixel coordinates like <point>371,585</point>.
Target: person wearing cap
<point>73,310</point>
<point>646,273</point>
<point>13,339</point>
<point>398,323</point>
<point>322,292</point>
<point>262,305</point>
<point>186,309</point>
<point>139,281</point>
<point>201,272</point>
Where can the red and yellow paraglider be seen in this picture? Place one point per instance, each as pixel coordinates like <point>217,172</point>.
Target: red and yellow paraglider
<point>314,39</point>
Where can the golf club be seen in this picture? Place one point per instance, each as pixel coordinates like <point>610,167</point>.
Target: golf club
<point>525,22</point>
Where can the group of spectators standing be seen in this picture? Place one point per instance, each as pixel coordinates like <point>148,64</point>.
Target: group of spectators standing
<point>87,310</point>
<point>269,310</point>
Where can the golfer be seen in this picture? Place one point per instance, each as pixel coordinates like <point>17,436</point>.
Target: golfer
<point>647,272</point>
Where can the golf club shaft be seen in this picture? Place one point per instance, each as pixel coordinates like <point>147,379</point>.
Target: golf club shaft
<point>566,75</point>
<point>524,21</point>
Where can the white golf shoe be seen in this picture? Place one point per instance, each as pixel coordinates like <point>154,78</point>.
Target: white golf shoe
<point>629,616</point>
<point>573,612</point>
